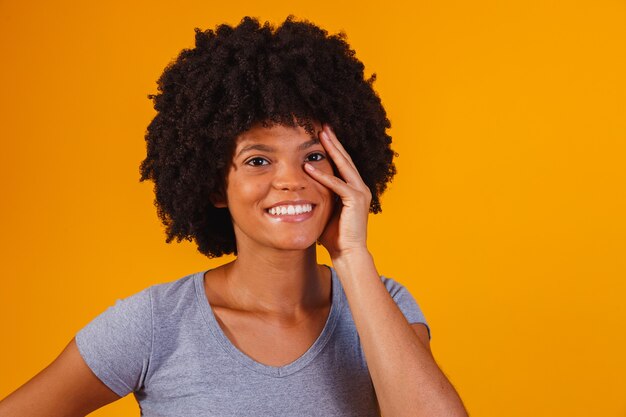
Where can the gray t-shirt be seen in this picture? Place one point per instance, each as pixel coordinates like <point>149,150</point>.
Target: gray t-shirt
<point>165,345</point>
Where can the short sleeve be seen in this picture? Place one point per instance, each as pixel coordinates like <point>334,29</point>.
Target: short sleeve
<point>117,344</point>
<point>405,302</point>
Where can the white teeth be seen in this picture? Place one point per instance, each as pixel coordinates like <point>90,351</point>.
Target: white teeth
<point>290,210</point>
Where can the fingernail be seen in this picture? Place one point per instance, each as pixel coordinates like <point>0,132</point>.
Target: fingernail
<point>308,167</point>
<point>325,135</point>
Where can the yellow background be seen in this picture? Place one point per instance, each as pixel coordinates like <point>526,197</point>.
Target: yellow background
<point>506,220</point>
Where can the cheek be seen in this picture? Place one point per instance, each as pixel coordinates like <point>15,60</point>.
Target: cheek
<point>328,197</point>
<point>325,192</point>
<point>244,190</point>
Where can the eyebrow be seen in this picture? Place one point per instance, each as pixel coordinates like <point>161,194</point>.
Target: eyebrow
<point>265,148</point>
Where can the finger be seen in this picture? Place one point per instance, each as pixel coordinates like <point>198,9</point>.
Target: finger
<point>344,164</point>
<point>337,185</point>
<point>348,196</point>
<point>332,138</point>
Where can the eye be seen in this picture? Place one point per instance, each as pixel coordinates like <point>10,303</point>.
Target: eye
<point>315,157</point>
<point>257,161</point>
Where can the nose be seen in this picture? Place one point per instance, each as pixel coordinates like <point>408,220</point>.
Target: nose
<point>290,177</point>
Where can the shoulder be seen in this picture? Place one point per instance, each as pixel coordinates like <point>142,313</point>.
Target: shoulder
<point>406,302</point>
<point>394,287</point>
<point>175,298</point>
<point>118,344</point>
<point>177,287</point>
<point>158,294</point>
<point>138,310</point>
<point>403,299</point>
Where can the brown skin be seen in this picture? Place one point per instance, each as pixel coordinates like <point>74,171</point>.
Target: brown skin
<point>66,388</point>
<point>273,301</point>
<point>272,338</point>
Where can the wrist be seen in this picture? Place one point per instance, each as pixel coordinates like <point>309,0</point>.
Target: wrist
<point>352,257</point>
<point>357,271</point>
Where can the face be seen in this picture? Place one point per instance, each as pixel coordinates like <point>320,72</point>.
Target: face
<point>273,202</point>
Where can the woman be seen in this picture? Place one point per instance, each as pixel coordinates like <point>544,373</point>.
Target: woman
<point>266,141</point>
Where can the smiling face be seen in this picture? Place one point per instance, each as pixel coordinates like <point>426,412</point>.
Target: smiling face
<point>273,202</point>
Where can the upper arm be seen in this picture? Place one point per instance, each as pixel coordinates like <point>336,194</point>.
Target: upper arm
<point>67,387</point>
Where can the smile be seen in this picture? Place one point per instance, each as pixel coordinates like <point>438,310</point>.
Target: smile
<point>290,210</point>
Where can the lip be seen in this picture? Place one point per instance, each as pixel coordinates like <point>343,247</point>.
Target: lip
<point>293,218</point>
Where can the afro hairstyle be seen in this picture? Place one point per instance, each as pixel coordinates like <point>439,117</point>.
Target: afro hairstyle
<point>239,76</point>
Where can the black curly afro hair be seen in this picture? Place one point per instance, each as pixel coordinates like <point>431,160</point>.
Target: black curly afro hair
<point>234,78</point>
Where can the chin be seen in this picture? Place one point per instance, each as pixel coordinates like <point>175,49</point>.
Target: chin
<point>299,244</point>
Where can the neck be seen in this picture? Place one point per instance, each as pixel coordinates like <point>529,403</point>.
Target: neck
<point>277,281</point>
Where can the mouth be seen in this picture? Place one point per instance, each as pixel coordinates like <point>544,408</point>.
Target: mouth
<point>290,209</point>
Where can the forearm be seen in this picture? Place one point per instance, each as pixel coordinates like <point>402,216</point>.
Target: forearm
<point>406,378</point>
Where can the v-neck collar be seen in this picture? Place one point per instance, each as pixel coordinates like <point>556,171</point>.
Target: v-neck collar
<point>247,361</point>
